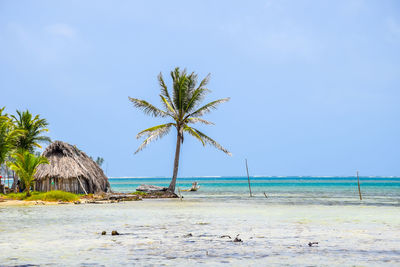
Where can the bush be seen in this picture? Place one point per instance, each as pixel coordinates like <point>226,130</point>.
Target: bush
<point>139,193</point>
<point>16,196</point>
<point>45,196</point>
<point>54,196</point>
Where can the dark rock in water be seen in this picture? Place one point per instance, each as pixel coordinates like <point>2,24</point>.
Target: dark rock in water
<point>188,235</point>
<point>103,233</point>
<point>151,188</point>
<point>310,244</point>
<point>123,197</point>
<point>237,239</point>
<point>223,236</point>
<point>114,233</point>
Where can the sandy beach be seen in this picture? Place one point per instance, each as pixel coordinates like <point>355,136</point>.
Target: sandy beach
<point>17,203</point>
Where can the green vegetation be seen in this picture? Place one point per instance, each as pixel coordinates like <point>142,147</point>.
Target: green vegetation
<point>32,127</point>
<point>183,109</point>
<point>15,196</point>
<point>25,167</point>
<point>99,160</point>
<point>8,136</point>
<point>44,196</point>
<point>21,135</point>
<point>139,193</point>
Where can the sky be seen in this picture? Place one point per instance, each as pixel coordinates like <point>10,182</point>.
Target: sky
<point>314,85</point>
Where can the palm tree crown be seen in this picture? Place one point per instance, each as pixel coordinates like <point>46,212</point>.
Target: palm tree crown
<point>183,108</point>
<point>33,128</point>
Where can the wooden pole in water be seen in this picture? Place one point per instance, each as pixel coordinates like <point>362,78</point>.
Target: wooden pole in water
<point>248,178</point>
<point>8,177</point>
<point>180,195</point>
<point>359,190</point>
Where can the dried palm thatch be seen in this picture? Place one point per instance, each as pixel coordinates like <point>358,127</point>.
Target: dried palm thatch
<point>70,170</point>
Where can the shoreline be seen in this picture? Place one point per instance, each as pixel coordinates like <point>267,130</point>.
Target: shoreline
<point>93,199</point>
<point>20,203</point>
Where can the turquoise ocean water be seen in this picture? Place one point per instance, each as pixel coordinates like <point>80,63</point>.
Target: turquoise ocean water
<point>282,190</point>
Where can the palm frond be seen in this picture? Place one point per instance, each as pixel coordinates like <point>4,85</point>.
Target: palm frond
<point>168,105</point>
<point>177,78</point>
<point>208,107</point>
<point>212,142</point>
<point>196,120</point>
<point>205,81</point>
<point>193,133</point>
<point>189,89</point>
<point>197,96</point>
<point>164,89</point>
<point>153,129</point>
<point>148,108</point>
<point>155,135</point>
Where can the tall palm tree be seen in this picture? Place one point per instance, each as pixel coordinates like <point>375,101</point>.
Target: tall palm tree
<point>25,166</point>
<point>184,109</point>
<point>33,128</point>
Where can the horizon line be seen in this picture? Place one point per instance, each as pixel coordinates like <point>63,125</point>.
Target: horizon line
<point>254,176</point>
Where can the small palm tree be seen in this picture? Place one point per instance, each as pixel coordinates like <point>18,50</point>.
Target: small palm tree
<point>183,108</point>
<point>25,166</point>
<point>33,128</point>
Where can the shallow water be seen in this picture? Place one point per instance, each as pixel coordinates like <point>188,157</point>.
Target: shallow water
<point>274,230</point>
<point>376,191</point>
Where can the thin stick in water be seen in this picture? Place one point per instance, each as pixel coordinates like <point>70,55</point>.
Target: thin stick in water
<point>359,190</point>
<point>8,178</point>
<point>180,195</point>
<point>248,178</point>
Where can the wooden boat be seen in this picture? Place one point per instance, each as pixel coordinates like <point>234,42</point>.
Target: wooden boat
<point>194,188</point>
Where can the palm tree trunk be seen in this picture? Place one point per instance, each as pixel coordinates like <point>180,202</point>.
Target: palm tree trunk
<point>15,182</point>
<point>176,162</point>
<point>28,192</point>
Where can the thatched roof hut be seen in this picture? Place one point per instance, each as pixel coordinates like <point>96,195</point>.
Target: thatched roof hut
<point>70,170</point>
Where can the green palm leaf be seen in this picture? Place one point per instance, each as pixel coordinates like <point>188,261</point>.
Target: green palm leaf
<point>153,133</point>
<point>193,133</point>
<point>196,120</point>
<point>208,107</point>
<point>151,130</point>
<point>148,108</point>
<point>164,89</point>
<point>212,142</point>
<point>169,106</point>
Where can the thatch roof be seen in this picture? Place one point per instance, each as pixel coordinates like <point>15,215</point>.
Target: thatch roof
<point>68,162</point>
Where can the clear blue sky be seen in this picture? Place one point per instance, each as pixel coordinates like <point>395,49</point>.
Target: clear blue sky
<point>314,84</point>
